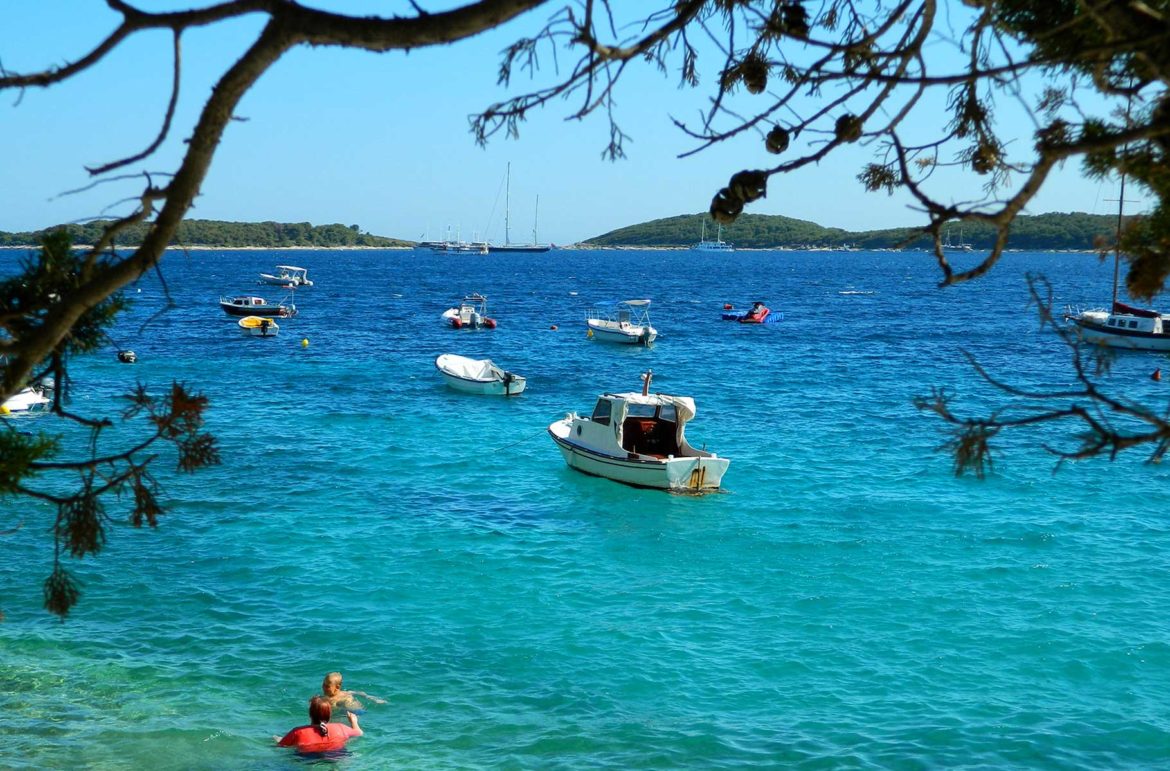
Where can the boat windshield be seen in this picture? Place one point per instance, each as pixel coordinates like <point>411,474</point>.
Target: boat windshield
<point>602,412</point>
<point>641,410</point>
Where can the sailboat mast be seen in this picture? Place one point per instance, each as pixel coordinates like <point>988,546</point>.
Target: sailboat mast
<point>507,202</point>
<point>1117,244</point>
<point>535,215</point>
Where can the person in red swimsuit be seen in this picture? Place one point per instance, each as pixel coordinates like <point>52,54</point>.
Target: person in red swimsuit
<point>321,735</point>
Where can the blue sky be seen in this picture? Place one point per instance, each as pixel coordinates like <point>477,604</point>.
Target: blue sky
<point>382,140</point>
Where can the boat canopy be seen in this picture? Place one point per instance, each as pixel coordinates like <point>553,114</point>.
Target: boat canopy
<point>1122,308</point>
<point>684,406</point>
<point>470,369</point>
<point>638,303</point>
<point>292,268</point>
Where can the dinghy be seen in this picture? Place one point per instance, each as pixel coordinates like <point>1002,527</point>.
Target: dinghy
<point>478,376</point>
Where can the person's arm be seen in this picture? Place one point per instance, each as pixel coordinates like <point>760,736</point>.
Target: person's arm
<point>370,696</point>
<point>353,724</point>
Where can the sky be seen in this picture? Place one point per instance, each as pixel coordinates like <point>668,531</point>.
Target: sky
<point>382,141</point>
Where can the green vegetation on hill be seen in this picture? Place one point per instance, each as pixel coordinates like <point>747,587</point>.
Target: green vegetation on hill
<point>223,234</point>
<point>762,231</point>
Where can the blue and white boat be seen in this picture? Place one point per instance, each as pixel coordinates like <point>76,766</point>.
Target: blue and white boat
<point>626,323</point>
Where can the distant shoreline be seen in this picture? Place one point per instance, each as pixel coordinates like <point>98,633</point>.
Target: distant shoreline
<point>569,247</point>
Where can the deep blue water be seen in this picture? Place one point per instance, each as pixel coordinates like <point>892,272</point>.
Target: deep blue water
<point>847,603</point>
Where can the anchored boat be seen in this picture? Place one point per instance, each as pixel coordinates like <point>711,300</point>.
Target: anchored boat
<point>471,313</point>
<point>478,376</point>
<point>249,305</point>
<point>28,399</point>
<point>626,322</point>
<point>259,326</point>
<point>639,439</point>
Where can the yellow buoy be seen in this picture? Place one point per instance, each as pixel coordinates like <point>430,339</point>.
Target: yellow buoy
<point>589,333</point>
<point>305,342</point>
<point>4,410</point>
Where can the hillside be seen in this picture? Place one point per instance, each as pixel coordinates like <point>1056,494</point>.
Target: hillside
<point>1077,231</point>
<point>214,233</point>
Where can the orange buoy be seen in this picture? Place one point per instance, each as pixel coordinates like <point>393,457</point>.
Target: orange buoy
<point>1157,375</point>
<point>553,327</point>
<point>726,306</point>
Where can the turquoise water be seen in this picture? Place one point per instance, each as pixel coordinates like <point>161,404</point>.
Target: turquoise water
<point>847,603</point>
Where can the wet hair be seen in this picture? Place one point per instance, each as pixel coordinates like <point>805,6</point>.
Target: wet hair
<point>331,676</point>
<point>320,710</point>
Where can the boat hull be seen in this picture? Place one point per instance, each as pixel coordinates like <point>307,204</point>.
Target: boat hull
<point>681,474</point>
<point>278,310</point>
<point>513,387</point>
<point>511,248</point>
<point>1137,341</point>
<point>629,335</point>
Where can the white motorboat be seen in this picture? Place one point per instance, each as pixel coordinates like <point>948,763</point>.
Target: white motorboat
<point>27,399</point>
<point>626,322</point>
<point>639,439</point>
<point>287,275</point>
<point>471,313</point>
<point>478,376</point>
<point>259,326</point>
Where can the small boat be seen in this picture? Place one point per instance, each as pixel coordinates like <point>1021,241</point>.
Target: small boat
<point>478,376</point>
<point>626,322</point>
<point>471,313</point>
<point>287,275</point>
<point>759,314</point>
<point>259,326</point>
<point>248,305</point>
<point>28,399</point>
<point>718,245</point>
<point>638,439</point>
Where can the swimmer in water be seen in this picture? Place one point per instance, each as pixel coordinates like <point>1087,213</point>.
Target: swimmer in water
<point>331,688</point>
<point>321,735</point>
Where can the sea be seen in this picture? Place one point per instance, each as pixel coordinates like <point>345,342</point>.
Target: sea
<point>846,601</point>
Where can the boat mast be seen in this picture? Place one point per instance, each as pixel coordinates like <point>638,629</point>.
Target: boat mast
<point>535,215</point>
<point>507,201</point>
<point>1117,241</point>
<point>1120,209</point>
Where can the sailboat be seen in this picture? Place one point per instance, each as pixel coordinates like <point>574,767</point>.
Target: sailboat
<point>508,246</point>
<point>718,245</point>
<point>962,246</point>
<point>1122,325</point>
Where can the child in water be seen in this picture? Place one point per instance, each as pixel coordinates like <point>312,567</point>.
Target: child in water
<point>331,687</point>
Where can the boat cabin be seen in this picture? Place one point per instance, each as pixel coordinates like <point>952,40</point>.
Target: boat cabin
<point>1131,319</point>
<point>650,425</point>
<point>1134,323</point>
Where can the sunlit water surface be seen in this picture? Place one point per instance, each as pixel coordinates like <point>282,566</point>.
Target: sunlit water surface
<point>847,603</point>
